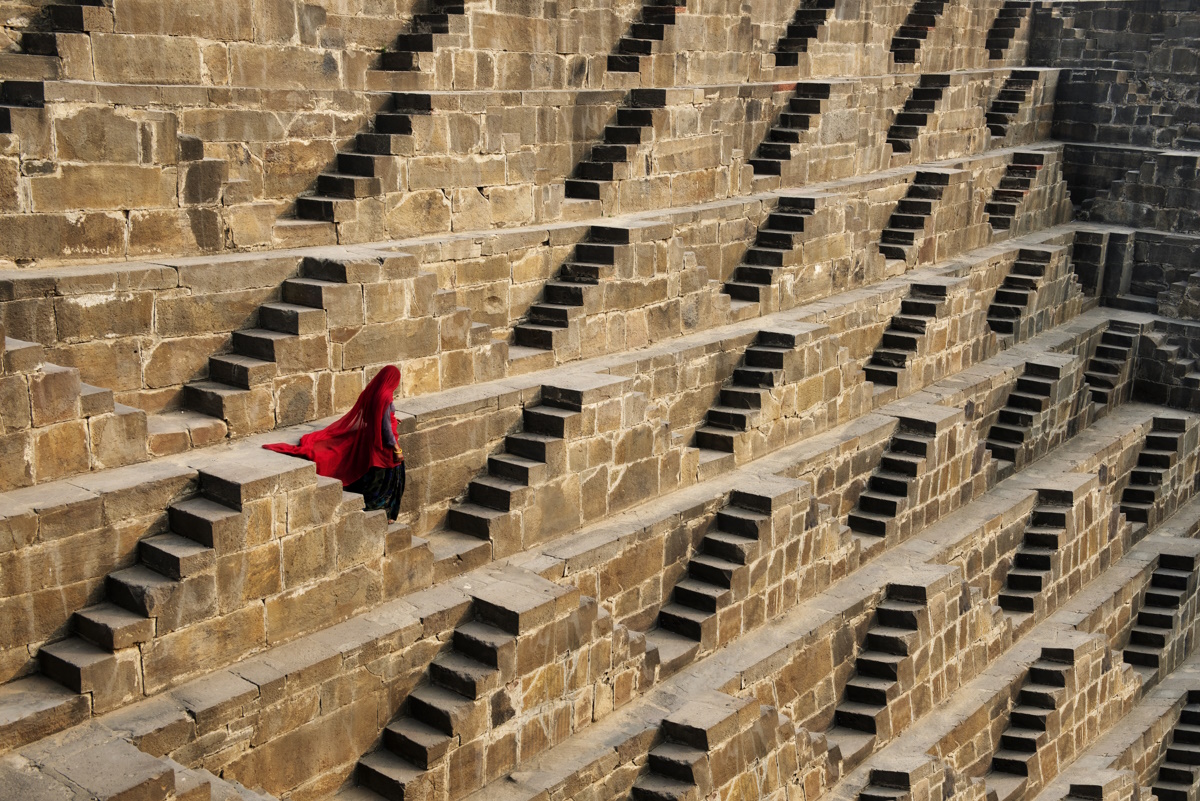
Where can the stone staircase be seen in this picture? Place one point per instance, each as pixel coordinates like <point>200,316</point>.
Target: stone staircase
<point>1032,716</point>
<point>914,115</point>
<point>1038,560</point>
<point>463,694</point>
<point>55,425</point>
<point>372,168</point>
<point>1035,393</point>
<point>773,250</point>
<point>640,41</point>
<point>919,23</point>
<point>883,662</point>
<point>1161,451</point>
<point>1179,772</point>
<point>1007,105</point>
<point>805,26</point>
<point>1015,185</point>
<point>575,292</point>
<point>164,591</point>
<point>443,24</point>
<point>1111,365</point>
<point>1013,300</point>
<point>792,125</point>
<point>890,487</point>
<point>768,364</point>
<point>901,240</point>
<point>1009,19</point>
<point>718,575</point>
<point>634,125</point>
<point>1159,620</point>
<point>904,338</point>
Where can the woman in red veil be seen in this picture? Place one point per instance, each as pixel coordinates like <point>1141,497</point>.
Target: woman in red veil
<point>361,449</point>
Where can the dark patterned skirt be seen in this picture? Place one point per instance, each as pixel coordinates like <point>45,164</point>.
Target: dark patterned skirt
<point>381,488</point>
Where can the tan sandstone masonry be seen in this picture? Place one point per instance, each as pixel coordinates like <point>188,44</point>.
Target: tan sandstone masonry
<point>168,334</point>
<point>215,699</point>
<point>262,154</point>
<point>41,521</point>
<point>404,572</point>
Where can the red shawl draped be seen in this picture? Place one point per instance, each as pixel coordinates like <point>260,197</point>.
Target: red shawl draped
<point>348,448</point>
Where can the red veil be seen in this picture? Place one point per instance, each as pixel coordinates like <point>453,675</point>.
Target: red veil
<point>348,448</point>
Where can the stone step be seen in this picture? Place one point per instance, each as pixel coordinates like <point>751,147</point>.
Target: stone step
<point>175,556</point>
<point>486,644</point>
<point>140,589</point>
<point>701,595</point>
<point>111,627</point>
<point>417,742</point>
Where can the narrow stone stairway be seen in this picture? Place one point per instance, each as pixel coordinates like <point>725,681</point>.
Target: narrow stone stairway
<point>1018,179</point>
<point>718,575</point>
<point>1109,366</point>
<point>1038,560</point>
<point>447,711</point>
<point>1004,28</point>
<point>891,639</point>
<point>806,22</point>
<point>914,115</point>
<point>905,231</point>
<point>200,529</point>
<point>529,457</point>
<point>369,169</point>
<point>1011,301</point>
<point>609,161</point>
<point>1032,395</point>
<point>905,334</point>
<point>1172,583</point>
<point>641,39</point>
<point>889,488</point>
<point>574,291</point>
<point>1158,455</point>
<point>1008,102</point>
<point>919,23</point>
<point>762,369</point>
<point>805,105</point>
<point>443,24</point>
<point>772,251</point>
<point>1179,772</point>
<point>1031,717</point>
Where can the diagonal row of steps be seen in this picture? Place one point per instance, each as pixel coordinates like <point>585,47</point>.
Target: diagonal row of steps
<point>919,23</point>
<point>1014,423</point>
<point>445,712</point>
<point>1008,102</point>
<point>1004,28</point>
<point>905,334</point>
<point>805,105</point>
<point>1015,185</point>
<point>19,97</point>
<point>914,115</point>
<point>763,368</point>
<point>574,291</point>
<point>370,167</point>
<point>809,18</point>
<point>443,24</point>
<point>201,528</point>
<point>1158,455</point>
<point>1012,299</point>
<point>890,487</point>
<point>772,251</point>
<point>1172,583</point>
<point>1179,772</point>
<point>609,161</point>
<point>1110,364</point>
<point>718,575</point>
<point>905,231</point>
<point>1038,559</point>
<point>892,638</point>
<point>1030,720</point>
<point>641,39</point>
